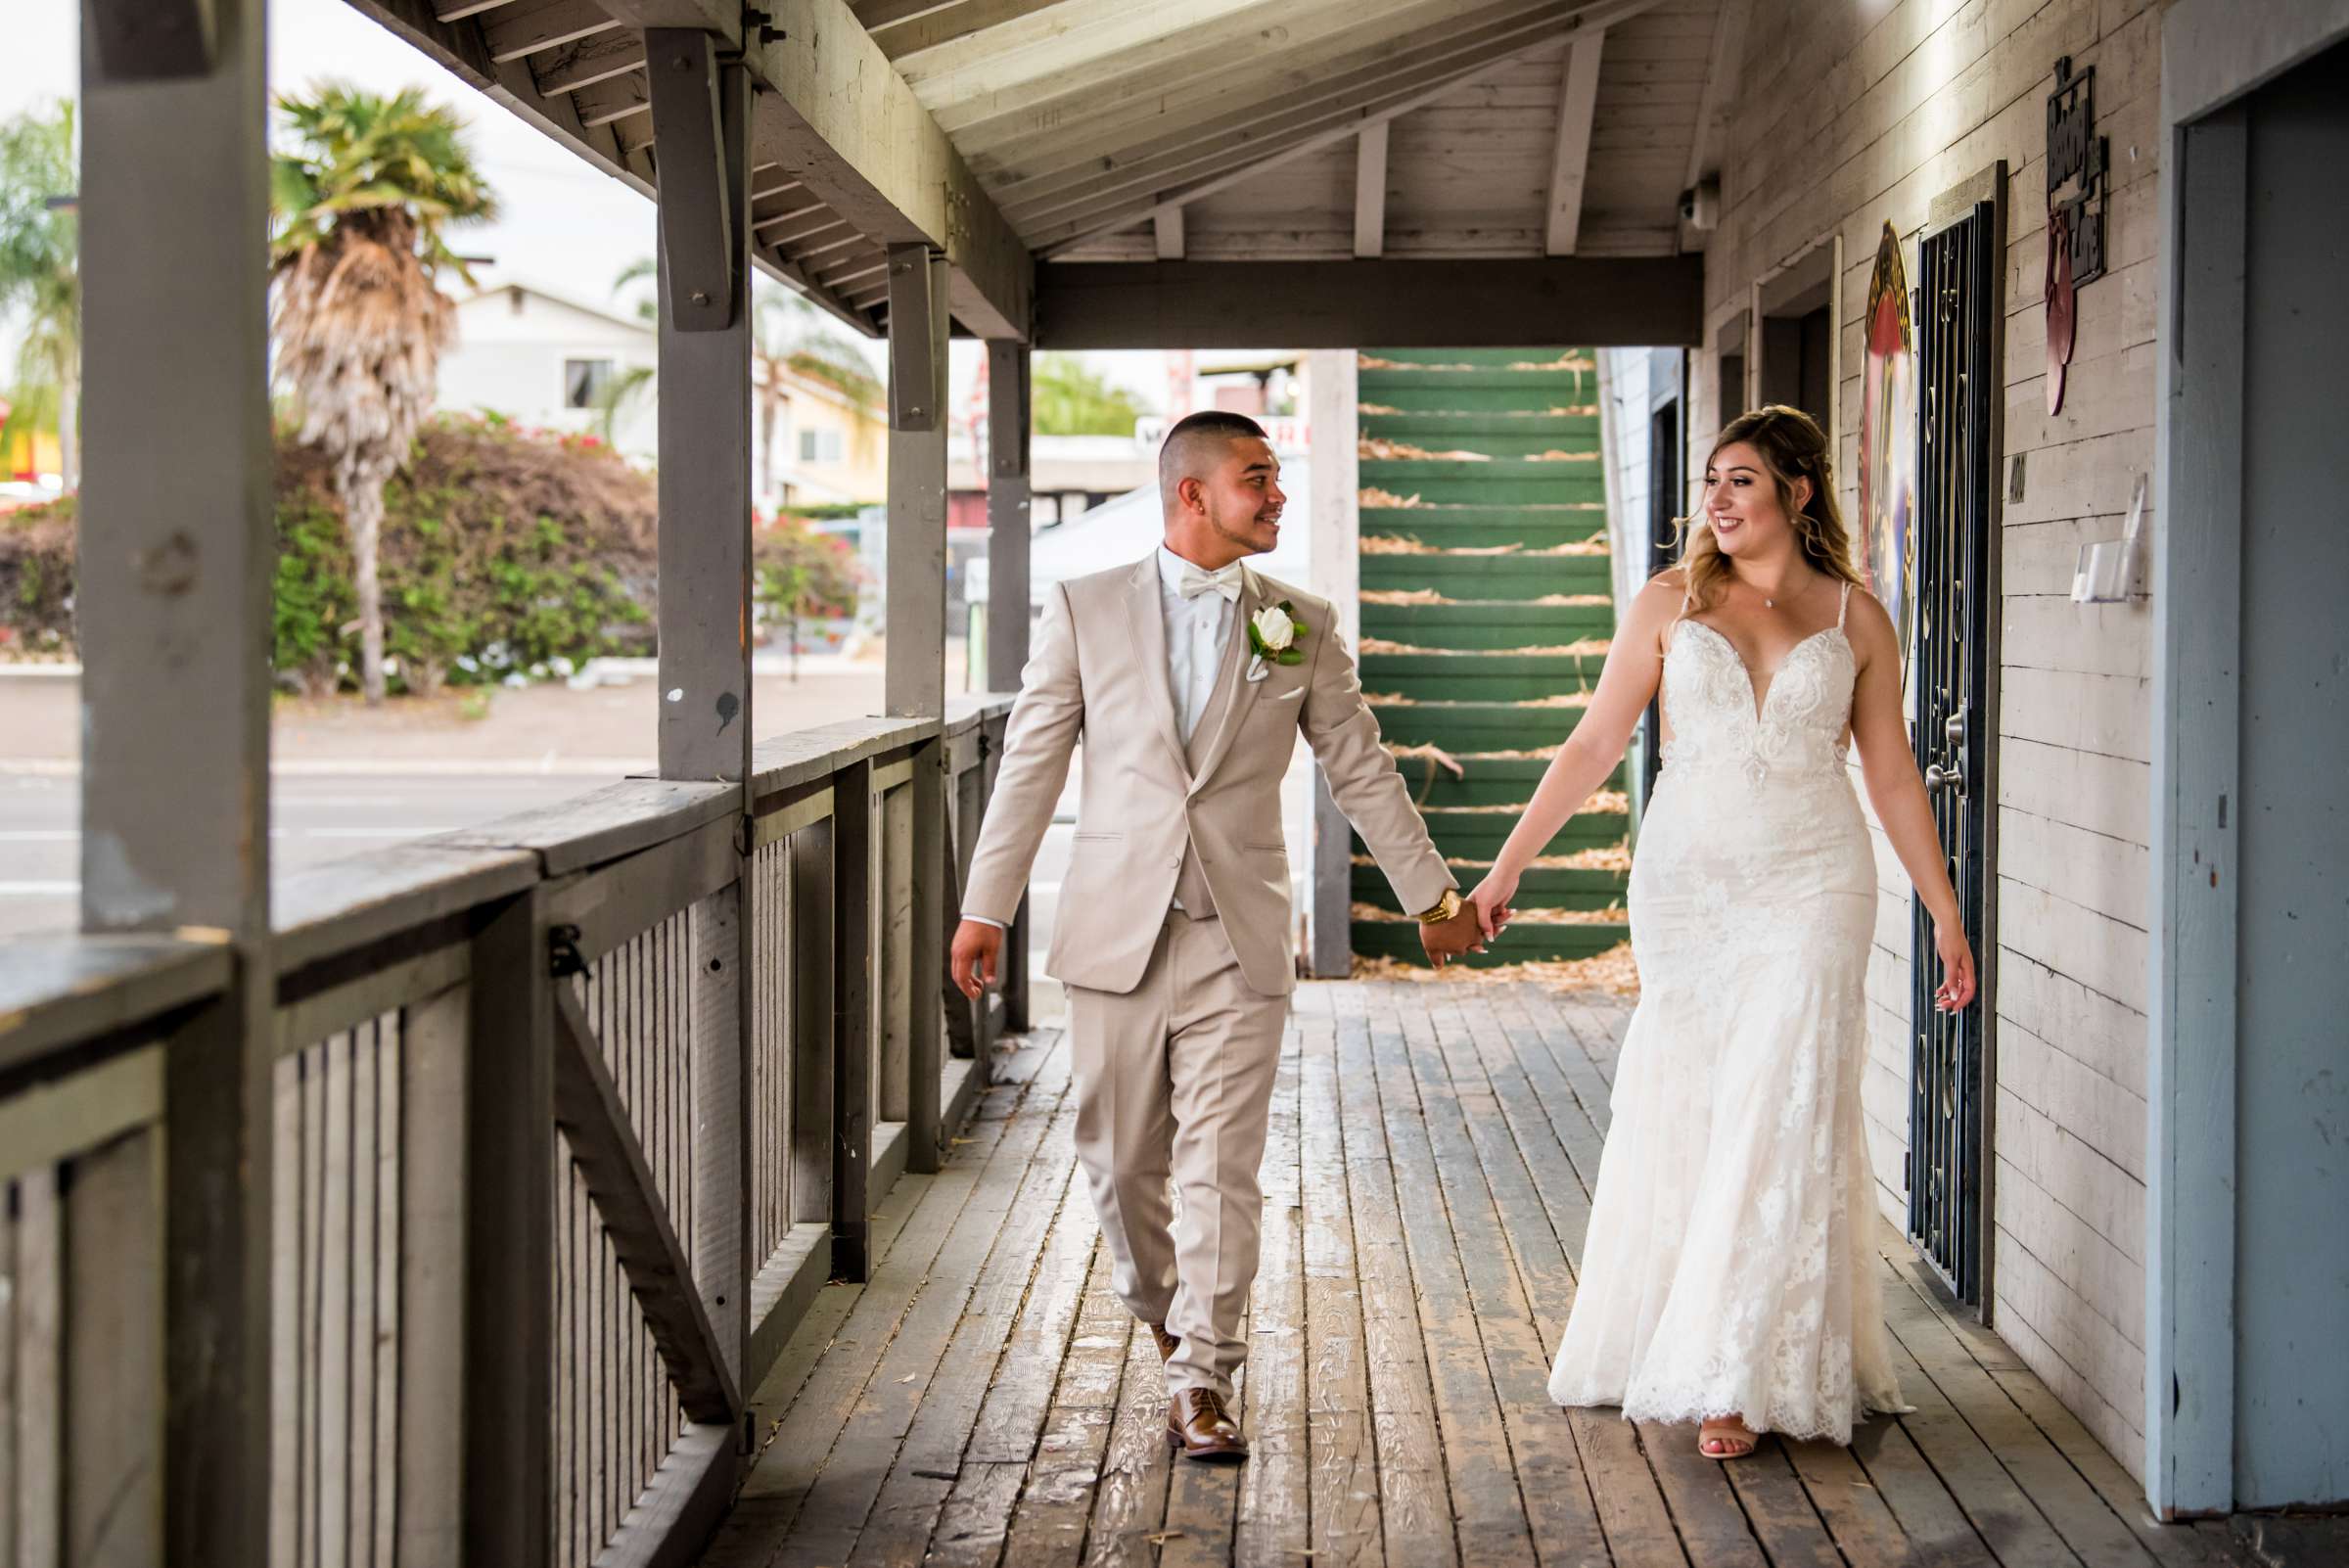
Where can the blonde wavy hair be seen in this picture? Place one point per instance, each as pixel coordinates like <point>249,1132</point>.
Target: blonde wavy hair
<point>1793,447</point>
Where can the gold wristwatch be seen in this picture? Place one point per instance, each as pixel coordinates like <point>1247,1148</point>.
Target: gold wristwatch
<point>1446,907</point>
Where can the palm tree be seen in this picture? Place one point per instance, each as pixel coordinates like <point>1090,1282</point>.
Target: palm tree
<point>787,333</point>
<point>39,278</point>
<point>361,202</point>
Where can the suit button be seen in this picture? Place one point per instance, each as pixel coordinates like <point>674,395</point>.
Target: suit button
<point>1175,862</point>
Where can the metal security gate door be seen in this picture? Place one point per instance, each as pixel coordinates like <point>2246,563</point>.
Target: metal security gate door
<point>1948,1078</point>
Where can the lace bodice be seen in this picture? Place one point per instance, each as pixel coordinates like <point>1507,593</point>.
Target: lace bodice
<point>1801,723</point>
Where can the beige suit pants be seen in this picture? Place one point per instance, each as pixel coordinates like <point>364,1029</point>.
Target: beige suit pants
<point>1174,1085</point>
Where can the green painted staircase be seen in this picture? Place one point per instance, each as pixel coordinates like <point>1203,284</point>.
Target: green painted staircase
<point>1487,605</point>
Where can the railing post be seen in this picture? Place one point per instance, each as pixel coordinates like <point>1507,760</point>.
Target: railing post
<point>917,681</point>
<point>176,560</point>
<point>854,822</point>
<point>509,1240</point>
<point>1009,421</point>
<point>700,116</point>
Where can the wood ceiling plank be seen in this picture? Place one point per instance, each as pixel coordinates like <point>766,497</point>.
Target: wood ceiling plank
<point>1133,126</point>
<point>1119,207</point>
<point>535,25</point>
<point>1164,169</point>
<point>1053,39</point>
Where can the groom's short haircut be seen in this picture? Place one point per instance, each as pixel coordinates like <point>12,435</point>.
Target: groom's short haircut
<point>1196,444</point>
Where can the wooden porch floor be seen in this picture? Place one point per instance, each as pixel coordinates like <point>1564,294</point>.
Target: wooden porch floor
<point>983,1398</point>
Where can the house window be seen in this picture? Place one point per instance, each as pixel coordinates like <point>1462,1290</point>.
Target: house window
<point>584,382</point>
<point>819,446</point>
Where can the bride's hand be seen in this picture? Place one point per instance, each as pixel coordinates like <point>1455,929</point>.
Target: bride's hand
<point>1957,968</point>
<point>1492,900</point>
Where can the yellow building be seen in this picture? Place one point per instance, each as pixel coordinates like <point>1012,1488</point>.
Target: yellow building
<point>829,449</point>
<point>27,454</point>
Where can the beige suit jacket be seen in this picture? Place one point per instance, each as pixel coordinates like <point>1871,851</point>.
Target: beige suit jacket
<point>1098,672</point>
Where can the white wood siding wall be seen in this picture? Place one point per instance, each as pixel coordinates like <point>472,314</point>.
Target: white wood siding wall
<point>1850,117</point>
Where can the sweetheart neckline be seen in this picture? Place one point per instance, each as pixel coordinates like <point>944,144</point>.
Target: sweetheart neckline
<point>1761,700</point>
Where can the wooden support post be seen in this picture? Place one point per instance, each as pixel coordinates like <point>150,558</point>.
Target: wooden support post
<point>178,551</point>
<point>509,1241</point>
<point>926,960</point>
<point>705,728</point>
<point>1336,523</point>
<point>854,824</point>
<point>1009,528</point>
<point>814,926</point>
<point>916,679</point>
<point>1009,421</point>
<point>722,1043</point>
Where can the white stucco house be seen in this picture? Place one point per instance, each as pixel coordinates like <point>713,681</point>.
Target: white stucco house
<point>542,357</point>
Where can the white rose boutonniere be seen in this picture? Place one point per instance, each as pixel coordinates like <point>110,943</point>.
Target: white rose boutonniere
<point>1274,633</point>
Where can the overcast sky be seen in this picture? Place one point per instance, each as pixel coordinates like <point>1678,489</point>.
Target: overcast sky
<point>565,224</point>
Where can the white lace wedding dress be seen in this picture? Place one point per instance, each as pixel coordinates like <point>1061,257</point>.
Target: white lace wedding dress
<point>1728,1269</point>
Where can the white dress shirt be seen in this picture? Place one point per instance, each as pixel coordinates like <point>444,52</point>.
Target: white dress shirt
<point>1195,632</point>
<point>1196,628</point>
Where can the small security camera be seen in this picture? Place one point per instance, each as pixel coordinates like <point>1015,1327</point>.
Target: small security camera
<point>1700,204</point>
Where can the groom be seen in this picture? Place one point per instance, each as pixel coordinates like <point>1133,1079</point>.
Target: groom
<point>1188,678</point>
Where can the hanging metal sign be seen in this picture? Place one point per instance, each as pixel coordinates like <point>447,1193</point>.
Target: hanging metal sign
<point>2076,158</point>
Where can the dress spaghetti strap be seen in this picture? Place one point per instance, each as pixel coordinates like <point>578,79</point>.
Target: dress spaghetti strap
<point>1843,606</point>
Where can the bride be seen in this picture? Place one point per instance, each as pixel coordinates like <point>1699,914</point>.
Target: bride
<point>1728,1276</point>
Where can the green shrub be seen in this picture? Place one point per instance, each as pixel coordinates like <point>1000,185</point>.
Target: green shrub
<point>505,551</point>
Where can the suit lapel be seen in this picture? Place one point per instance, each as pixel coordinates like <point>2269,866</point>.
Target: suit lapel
<point>1145,623</point>
<point>1228,704</point>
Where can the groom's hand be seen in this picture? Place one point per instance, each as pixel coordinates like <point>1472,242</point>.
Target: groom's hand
<point>971,964</point>
<point>1446,940</point>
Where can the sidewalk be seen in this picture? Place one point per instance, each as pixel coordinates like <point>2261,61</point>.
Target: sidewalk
<point>543,729</point>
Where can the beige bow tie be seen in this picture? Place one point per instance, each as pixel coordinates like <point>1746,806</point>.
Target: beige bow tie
<point>1225,581</point>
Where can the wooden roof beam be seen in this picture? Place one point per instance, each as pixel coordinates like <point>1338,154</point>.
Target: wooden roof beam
<point>1578,108</point>
<point>1599,302</point>
<point>1169,234</point>
<point>843,123</point>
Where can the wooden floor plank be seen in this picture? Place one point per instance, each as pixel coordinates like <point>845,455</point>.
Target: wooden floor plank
<point>1855,1513</point>
<point>1274,1523</point>
<point>1486,1502</point>
<point>801,1437</point>
<point>1129,1503</point>
<point>1203,1500</point>
<point>929,1462</point>
<point>1712,1527</point>
<point>1056,1507</point>
<point>2088,1526</point>
<point>1791,1531</point>
<point>865,1454</point>
<point>1413,1497</point>
<point>1427,1182</point>
<point>976,1519</point>
<point>1517,1270</point>
<point>1343,1499</point>
<point>2004,1517</point>
<point>1644,1496</point>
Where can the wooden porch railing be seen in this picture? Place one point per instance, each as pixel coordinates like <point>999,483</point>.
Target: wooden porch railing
<point>573,1116</point>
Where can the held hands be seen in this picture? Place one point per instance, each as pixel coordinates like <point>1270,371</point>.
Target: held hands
<point>1446,940</point>
<point>971,962</point>
<point>1957,968</point>
<point>1490,903</point>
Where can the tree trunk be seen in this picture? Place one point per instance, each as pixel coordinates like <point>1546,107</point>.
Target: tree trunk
<point>364,506</point>
<point>69,427</point>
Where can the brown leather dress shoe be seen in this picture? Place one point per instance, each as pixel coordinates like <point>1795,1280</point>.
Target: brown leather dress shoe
<point>1167,1344</point>
<point>1199,1424</point>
